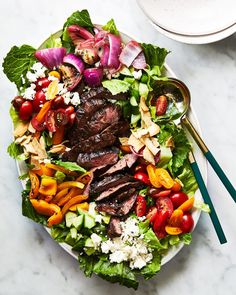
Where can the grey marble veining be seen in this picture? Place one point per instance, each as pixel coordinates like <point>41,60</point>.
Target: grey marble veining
<point>30,261</point>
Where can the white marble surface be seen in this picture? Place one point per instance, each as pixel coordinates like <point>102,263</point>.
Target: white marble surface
<point>30,261</point>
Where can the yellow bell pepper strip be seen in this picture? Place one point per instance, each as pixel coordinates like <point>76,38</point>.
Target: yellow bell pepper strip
<point>164,178</point>
<point>70,184</point>
<point>52,90</point>
<point>43,111</point>
<point>85,178</point>
<point>75,200</point>
<point>48,186</point>
<point>187,205</point>
<point>44,208</point>
<point>56,218</point>
<point>58,136</point>
<point>74,191</point>
<point>60,195</point>
<point>176,218</point>
<point>62,169</point>
<point>44,170</point>
<point>172,230</point>
<point>34,185</point>
<point>151,169</point>
<point>83,206</point>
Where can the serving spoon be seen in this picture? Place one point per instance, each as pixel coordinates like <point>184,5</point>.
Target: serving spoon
<point>179,92</point>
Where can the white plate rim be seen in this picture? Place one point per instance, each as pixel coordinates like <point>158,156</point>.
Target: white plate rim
<point>203,167</point>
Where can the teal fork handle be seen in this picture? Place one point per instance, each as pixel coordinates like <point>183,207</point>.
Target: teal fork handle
<point>207,200</point>
<point>228,185</point>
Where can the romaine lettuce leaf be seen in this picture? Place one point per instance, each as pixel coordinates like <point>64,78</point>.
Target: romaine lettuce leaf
<point>155,56</point>
<point>17,63</point>
<point>16,152</point>
<point>70,166</point>
<point>188,179</point>
<point>110,26</point>
<point>80,18</point>
<point>116,86</point>
<point>153,267</point>
<point>53,42</point>
<point>87,263</point>
<point>14,116</point>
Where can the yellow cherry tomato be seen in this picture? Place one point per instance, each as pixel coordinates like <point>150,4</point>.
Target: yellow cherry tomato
<point>55,74</point>
<point>151,170</point>
<point>172,230</point>
<point>164,178</point>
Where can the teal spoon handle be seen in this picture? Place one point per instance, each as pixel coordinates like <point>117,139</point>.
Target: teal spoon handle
<point>214,164</point>
<point>207,200</point>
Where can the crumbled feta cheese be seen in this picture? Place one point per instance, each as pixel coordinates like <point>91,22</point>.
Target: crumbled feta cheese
<point>32,77</point>
<point>52,78</point>
<point>61,89</point>
<point>22,79</point>
<point>75,99</point>
<point>29,92</point>
<point>67,98</point>
<point>96,240</point>
<point>137,74</point>
<point>118,256</point>
<point>139,262</point>
<point>98,218</point>
<point>39,69</point>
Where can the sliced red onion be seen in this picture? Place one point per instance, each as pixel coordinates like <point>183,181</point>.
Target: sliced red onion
<point>104,55</point>
<point>139,153</point>
<point>129,53</point>
<point>115,50</point>
<point>157,157</point>
<point>140,62</point>
<point>89,43</point>
<point>75,61</point>
<point>101,38</point>
<point>78,33</point>
<point>51,57</point>
<point>93,76</point>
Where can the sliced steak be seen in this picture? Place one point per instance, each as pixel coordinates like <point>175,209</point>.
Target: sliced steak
<point>98,158</point>
<point>127,205</point>
<point>108,182</point>
<point>127,161</point>
<point>117,189</point>
<point>101,92</point>
<point>114,227</point>
<point>124,195</point>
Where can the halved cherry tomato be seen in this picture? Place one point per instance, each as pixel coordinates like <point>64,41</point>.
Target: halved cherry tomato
<point>152,213</point>
<point>50,121</point>
<point>160,223</point>
<point>141,206</point>
<point>153,191</point>
<point>176,187</point>
<point>26,110</point>
<point>42,83</point>
<point>55,74</point>
<point>187,205</point>
<point>141,168</point>
<point>176,218</point>
<point>165,204</point>
<point>178,198</point>
<point>39,100</point>
<point>164,178</point>
<point>17,102</point>
<point>151,170</point>
<point>187,223</point>
<point>58,103</point>
<point>142,177</point>
<point>38,126</point>
<point>174,231</point>
<point>71,119</point>
<point>163,193</point>
<point>69,110</point>
<point>61,118</point>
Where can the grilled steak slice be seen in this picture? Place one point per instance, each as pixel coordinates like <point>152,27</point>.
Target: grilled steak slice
<point>108,182</point>
<point>117,189</point>
<point>98,158</point>
<point>114,227</point>
<point>124,129</point>
<point>127,161</point>
<point>127,205</point>
<point>101,92</point>
<point>123,195</point>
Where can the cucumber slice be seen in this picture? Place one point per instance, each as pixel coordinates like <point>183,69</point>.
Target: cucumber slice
<point>73,233</point>
<point>166,155</point>
<point>78,222</point>
<point>89,221</point>
<point>70,216</point>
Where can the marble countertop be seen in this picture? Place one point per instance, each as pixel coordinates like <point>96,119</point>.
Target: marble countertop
<point>30,261</point>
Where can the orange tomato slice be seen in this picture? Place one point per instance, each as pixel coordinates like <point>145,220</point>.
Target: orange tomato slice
<point>176,218</point>
<point>34,185</point>
<point>164,178</point>
<point>151,170</point>
<point>173,231</point>
<point>187,205</point>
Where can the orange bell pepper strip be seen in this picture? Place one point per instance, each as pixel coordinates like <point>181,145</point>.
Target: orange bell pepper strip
<point>70,184</point>
<point>58,136</point>
<point>44,208</point>
<point>85,178</point>
<point>56,218</point>
<point>164,178</point>
<point>151,170</point>
<point>176,218</point>
<point>126,149</point>
<point>74,191</point>
<point>62,169</point>
<point>48,186</point>
<point>187,205</point>
<point>48,198</point>
<point>43,111</point>
<point>60,195</point>
<point>83,206</point>
<point>75,200</point>
<point>34,185</point>
<point>44,170</point>
<point>172,230</point>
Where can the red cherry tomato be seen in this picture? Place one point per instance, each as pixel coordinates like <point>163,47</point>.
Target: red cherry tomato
<point>58,103</point>
<point>165,204</point>
<point>42,83</point>
<point>70,110</point>
<point>141,206</point>
<point>152,213</point>
<point>163,193</point>
<point>38,126</point>
<point>17,102</point>
<point>176,187</point>
<point>187,223</point>
<point>142,177</point>
<point>26,110</point>
<point>160,222</point>
<point>39,100</point>
<point>61,118</point>
<point>178,198</point>
<point>50,121</point>
<point>71,119</point>
<point>141,168</point>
